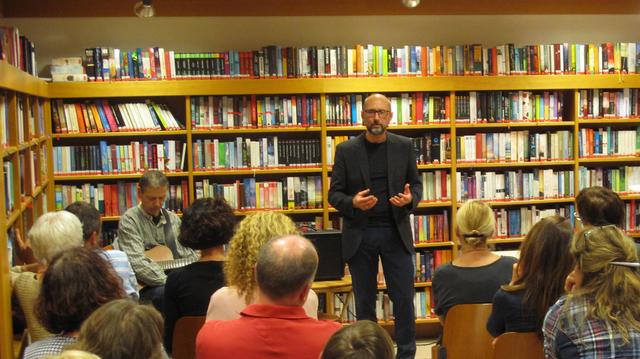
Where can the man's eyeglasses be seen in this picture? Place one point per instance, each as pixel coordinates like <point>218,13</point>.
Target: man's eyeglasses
<point>371,112</point>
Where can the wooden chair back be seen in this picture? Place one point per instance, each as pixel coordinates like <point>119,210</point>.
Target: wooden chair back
<point>465,333</point>
<point>184,337</point>
<point>518,345</point>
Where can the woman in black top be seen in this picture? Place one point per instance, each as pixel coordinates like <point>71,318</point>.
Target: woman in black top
<point>206,226</point>
<point>538,279</point>
<point>477,273</point>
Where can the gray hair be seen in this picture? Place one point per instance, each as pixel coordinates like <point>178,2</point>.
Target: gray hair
<point>153,179</point>
<point>54,232</point>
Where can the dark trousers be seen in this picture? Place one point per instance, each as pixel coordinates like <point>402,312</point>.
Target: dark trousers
<point>399,272</point>
<point>153,295</point>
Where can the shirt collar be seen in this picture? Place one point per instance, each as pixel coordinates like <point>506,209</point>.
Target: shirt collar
<point>150,217</point>
<point>274,311</point>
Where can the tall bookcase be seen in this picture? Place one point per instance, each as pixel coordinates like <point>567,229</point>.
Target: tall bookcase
<point>179,93</point>
<point>25,176</point>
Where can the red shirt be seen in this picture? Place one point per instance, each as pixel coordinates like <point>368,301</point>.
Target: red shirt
<point>265,331</point>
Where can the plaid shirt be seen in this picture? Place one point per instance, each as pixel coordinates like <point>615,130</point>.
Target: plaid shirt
<point>567,330</point>
<point>137,233</point>
<point>49,346</point>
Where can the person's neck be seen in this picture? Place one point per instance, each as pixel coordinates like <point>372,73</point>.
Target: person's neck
<point>290,301</point>
<point>376,138</point>
<point>212,254</point>
<point>473,251</point>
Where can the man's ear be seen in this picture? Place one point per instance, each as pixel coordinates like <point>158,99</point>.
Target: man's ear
<point>94,240</point>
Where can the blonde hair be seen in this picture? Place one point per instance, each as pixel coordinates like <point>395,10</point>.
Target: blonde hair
<point>54,232</point>
<point>74,354</point>
<point>610,291</point>
<point>475,222</point>
<point>253,231</point>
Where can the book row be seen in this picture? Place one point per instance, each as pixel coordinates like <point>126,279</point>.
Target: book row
<point>435,185</point>
<point>17,50</point>
<point>608,103</point>
<point>622,179</point>
<point>29,110</point>
<point>406,108</point>
<point>514,185</point>
<point>515,146</point>
<point>135,157</point>
<point>345,308</point>
<point>105,64</point>
<point>632,216</point>
<point>293,192</point>
<point>107,116</point>
<point>428,261</point>
<point>515,222</point>
<point>430,228</point>
<point>208,112</point>
<point>505,106</point>
<point>114,199</point>
<point>266,152</point>
<point>602,142</point>
<point>9,185</point>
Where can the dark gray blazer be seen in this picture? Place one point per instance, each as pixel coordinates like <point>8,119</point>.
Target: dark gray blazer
<point>351,175</point>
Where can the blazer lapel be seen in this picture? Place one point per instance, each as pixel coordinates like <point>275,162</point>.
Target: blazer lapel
<point>363,160</point>
<point>392,153</point>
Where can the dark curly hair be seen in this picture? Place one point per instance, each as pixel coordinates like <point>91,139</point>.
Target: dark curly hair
<point>208,222</point>
<point>77,282</point>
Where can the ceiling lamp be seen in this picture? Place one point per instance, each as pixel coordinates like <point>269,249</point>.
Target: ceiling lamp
<point>145,9</point>
<point>410,3</point>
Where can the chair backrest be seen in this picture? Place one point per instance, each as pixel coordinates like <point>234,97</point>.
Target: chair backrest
<point>465,333</point>
<point>184,337</point>
<point>518,345</point>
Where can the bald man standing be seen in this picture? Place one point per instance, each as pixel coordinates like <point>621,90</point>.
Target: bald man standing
<point>276,325</point>
<point>375,185</point>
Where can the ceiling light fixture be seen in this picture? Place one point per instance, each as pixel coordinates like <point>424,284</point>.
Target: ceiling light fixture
<point>144,9</point>
<point>411,3</point>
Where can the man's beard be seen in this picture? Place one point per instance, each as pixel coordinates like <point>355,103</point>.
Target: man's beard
<point>376,129</point>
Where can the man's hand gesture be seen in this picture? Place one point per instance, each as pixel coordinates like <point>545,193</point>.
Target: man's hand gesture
<point>402,199</point>
<point>364,201</point>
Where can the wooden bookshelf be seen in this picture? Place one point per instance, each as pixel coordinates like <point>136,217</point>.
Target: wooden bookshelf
<point>20,84</point>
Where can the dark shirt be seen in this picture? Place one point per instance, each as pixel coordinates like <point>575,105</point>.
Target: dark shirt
<point>469,285</point>
<point>380,214</point>
<point>510,315</point>
<point>187,293</point>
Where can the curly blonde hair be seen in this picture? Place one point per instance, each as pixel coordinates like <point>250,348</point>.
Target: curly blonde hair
<point>253,231</point>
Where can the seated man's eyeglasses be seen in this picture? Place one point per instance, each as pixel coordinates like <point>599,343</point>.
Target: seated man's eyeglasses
<point>371,112</point>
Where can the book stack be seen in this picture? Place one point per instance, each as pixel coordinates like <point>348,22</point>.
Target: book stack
<point>67,69</point>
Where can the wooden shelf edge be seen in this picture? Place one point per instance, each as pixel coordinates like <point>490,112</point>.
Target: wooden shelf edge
<point>256,130</point>
<point>257,171</point>
<point>60,136</point>
<point>232,87</point>
<point>433,244</point>
<point>465,125</point>
<point>14,79</point>
<point>515,164</point>
<point>79,177</point>
<point>525,202</point>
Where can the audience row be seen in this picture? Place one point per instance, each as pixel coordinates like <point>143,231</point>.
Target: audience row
<point>577,288</point>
